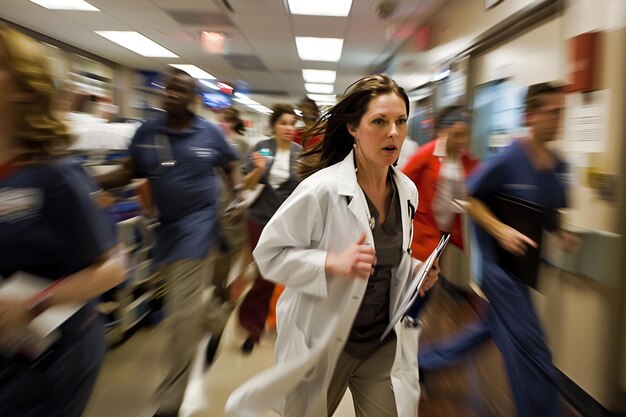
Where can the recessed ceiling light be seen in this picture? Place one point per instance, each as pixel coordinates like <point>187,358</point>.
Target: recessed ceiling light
<point>210,84</point>
<point>194,71</point>
<point>319,49</point>
<point>66,5</point>
<point>319,76</point>
<point>323,98</point>
<point>319,88</point>
<point>243,99</point>
<point>320,7</point>
<point>137,43</point>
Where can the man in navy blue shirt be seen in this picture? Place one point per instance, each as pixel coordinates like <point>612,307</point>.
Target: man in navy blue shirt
<point>178,154</point>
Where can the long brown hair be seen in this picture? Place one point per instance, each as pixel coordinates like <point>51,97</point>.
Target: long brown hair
<point>333,124</point>
<point>37,128</point>
<point>231,115</point>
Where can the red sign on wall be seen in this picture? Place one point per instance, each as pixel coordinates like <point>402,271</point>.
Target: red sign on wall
<point>582,63</point>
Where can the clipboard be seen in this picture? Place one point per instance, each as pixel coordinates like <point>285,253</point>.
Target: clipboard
<point>419,276</point>
<point>526,217</point>
<point>42,332</point>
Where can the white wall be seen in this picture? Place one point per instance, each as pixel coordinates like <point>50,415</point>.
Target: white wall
<point>536,56</point>
<point>453,28</point>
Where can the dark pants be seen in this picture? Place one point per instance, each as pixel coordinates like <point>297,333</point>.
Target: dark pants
<point>516,330</point>
<point>255,306</point>
<point>451,351</point>
<point>60,381</point>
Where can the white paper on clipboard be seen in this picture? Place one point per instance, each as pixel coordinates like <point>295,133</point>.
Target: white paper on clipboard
<point>419,276</point>
<point>42,332</point>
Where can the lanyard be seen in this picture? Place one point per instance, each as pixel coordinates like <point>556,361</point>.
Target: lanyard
<point>164,155</point>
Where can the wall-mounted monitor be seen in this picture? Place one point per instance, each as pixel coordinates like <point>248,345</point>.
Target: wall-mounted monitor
<point>216,100</point>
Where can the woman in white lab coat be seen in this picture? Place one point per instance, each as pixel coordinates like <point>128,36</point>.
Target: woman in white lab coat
<point>340,244</point>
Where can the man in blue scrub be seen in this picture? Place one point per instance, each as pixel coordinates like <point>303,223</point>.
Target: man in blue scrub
<point>527,169</point>
<point>178,154</point>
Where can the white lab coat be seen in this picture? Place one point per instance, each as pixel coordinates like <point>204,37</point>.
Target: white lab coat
<point>327,211</point>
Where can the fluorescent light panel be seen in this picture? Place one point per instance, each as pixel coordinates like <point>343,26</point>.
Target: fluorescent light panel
<point>194,71</point>
<point>323,98</point>
<point>247,101</point>
<point>320,7</point>
<point>210,84</point>
<point>319,76</point>
<point>66,5</point>
<point>319,88</point>
<point>137,43</point>
<point>319,49</point>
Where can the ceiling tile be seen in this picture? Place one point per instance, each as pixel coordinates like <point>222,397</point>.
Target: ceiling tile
<point>245,62</point>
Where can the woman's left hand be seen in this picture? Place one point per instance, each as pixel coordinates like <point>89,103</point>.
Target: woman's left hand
<point>14,314</point>
<point>431,278</point>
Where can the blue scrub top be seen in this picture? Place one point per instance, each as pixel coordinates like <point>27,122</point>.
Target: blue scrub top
<point>186,193</point>
<point>511,172</point>
<point>49,224</point>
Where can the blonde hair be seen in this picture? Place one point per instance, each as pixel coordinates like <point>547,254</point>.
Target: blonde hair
<point>37,129</point>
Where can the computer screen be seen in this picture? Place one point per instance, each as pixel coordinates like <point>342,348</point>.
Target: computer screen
<point>216,100</point>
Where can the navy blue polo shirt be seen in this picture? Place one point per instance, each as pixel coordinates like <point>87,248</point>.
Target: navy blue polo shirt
<point>49,224</point>
<point>181,169</point>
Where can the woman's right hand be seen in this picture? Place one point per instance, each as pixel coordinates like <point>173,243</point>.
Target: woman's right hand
<point>356,260</point>
<point>259,161</point>
<point>513,241</point>
<point>14,314</point>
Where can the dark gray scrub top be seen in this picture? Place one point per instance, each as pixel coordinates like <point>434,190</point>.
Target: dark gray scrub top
<point>373,315</point>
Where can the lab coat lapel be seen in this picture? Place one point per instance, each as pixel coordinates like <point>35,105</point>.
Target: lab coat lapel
<point>349,188</point>
<point>407,212</point>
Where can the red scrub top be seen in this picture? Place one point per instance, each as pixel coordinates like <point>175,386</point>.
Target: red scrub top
<point>423,170</point>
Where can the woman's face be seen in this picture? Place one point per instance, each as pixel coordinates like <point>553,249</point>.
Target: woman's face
<point>227,127</point>
<point>285,127</point>
<point>382,129</point>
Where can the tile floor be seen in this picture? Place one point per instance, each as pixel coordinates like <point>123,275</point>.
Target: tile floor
<point>131,372</point>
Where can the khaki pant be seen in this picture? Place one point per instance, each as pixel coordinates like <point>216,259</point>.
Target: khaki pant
<point>369,382</point>
<point>186,281</point>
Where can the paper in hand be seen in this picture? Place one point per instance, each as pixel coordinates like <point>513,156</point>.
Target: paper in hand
<point>419,275</point>
<point>42,331</point>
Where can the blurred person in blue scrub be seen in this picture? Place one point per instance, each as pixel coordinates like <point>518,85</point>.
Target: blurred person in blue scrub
<point>178,153</point>
<point>51,228</point>
<point>528,170</point>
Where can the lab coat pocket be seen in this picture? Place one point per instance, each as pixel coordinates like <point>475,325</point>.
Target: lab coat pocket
<point>297,345</point>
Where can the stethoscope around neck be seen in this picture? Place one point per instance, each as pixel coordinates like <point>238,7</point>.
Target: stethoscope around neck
<point>370,220</point>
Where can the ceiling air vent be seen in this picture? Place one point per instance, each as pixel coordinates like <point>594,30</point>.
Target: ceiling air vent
<point>384,9</point>
<point>245,62</point>
<point>195,18</point>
